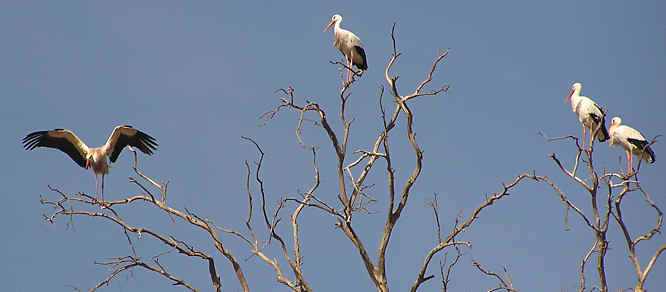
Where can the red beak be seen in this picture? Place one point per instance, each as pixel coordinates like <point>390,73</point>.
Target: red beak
<point>329,24</point>
<point>87,163</point>
<point>570,94</point>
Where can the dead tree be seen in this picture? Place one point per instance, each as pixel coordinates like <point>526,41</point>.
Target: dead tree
<point>351,187</point>
<point>352,202</point>
<point>605,193</point>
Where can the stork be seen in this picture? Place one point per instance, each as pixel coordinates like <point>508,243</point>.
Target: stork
<point>66,141</point>
<point>349,45</point>
<point>631,140</point>
<point>590,115</point>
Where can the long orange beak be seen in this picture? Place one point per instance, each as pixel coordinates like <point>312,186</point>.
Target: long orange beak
<point>329,24</point>
<point>569,96</point>
<point>87,163</point>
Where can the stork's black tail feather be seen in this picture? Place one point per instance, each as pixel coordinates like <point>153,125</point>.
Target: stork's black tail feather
<point>651,154</point>
<point>603,132</point>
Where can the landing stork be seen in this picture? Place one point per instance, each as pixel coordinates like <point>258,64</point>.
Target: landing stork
<point>590,115</point>
<point>349,45</point>
<point>66,141</point>
<point>631,140</point>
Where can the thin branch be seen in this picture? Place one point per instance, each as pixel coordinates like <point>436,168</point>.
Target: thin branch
<point>503,285</point>
<point>421,278</point>
<point>131,262</point>
<point>458,229</point>
<point>582,266</point>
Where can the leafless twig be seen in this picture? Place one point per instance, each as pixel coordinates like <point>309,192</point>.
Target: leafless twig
<point>503,284</point>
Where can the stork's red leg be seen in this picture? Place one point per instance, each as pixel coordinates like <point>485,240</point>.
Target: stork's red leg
<point>96,186</point>
<point>628,161</point>
<point>102,188</point>
<point>583,137</point>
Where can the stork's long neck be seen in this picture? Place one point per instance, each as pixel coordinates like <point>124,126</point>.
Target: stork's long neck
<point>611,132</point>
<point>612,127</point>
<point>575,98</point>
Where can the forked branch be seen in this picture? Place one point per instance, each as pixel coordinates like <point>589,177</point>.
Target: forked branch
<point>449,239</point>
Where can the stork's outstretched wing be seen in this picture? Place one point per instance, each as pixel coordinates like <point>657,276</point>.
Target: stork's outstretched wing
<point>61,139</point>
<point>126,135</point>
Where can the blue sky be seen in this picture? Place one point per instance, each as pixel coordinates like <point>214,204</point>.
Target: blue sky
<point>197,76</point>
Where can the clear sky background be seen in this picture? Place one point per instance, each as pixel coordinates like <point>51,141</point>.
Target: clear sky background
<point>197,75</point>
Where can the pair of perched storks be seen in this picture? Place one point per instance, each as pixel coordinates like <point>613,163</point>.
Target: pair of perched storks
<point>589,114</point>
<point>591,117</point>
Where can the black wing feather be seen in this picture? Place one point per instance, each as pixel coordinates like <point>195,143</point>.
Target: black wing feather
<point>603,132</point>
<point>42,139</point>
<point>364,64</point>
<point>643,146</point>
<point>140,140</point>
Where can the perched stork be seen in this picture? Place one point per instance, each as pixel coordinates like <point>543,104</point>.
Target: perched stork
<point>67,142</point>
<point>349,45</point>
<point>590,115</point>
<point>631,140</point>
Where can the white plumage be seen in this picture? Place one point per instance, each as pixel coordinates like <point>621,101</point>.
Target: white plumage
<point>588,112</point>
<point>631,140</point>
<point>348,44</point>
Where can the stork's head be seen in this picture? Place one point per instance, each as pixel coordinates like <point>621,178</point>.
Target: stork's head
<point>575,87</point>
<point>616,121</point>
<point>334,19</point>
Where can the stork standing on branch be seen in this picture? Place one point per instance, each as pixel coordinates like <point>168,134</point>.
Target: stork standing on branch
<point>631,140</point>
<point>590,115</point>
<point>349,45</point>
<point>68,142</point>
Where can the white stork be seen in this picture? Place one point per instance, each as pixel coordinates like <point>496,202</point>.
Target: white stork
<point>349,45</point>
<point>67,142</point>
<point>588,112</point>
<point>631,140</point>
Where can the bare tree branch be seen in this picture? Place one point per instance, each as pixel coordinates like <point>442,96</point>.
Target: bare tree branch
<point>127,263</point>
<point>503,284</point>
<point>599,219</point>
<point>460,228</point>
<point>59,209</point>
